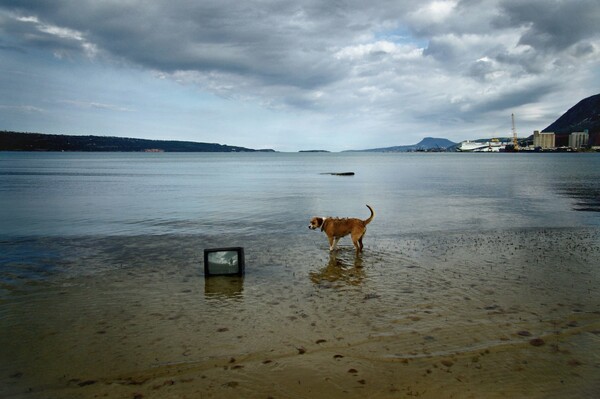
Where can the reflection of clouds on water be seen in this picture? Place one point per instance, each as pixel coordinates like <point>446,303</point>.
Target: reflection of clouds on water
<point>586,194</point>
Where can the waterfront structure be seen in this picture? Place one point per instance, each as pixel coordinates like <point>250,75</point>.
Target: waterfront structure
<point>514,132</point>
<point>493,145</point>
<point>579,139</point>
<point>544,140</point>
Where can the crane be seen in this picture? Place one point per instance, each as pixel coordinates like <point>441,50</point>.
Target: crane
<point>514,131</point>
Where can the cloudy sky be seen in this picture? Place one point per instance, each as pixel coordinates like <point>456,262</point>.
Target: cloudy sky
<point>293,75</point>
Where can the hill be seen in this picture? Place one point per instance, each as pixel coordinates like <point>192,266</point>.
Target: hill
<point>15,141</point>
<point>427,144</point>
<point>584,115</point>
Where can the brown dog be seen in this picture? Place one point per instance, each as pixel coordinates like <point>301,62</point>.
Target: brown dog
<point>336,228</point>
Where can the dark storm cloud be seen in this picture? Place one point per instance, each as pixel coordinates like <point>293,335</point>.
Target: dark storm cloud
<point>291,43</point>
<point>551,25</point>
<point>268,42</point>
<point>385,62</point>
<point>275,43</point>
<point>23,33</point>
<point>513,98</point>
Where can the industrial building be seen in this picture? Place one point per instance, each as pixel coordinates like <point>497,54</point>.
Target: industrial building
<point>579,139</point>
<point>544,140</point>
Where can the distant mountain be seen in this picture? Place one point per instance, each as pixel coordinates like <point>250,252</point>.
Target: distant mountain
<point>584,115</point>
<point>15,141</point>
<point>427,144</point>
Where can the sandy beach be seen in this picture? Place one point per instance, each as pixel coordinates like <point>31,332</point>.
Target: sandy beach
<point>429,315</point>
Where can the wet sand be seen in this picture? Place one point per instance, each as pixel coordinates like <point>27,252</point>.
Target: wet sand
<point>489,314</point>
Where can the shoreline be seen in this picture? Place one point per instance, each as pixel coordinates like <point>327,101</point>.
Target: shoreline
<point>434,314</point>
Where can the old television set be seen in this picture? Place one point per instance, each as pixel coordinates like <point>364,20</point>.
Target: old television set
<point>224,261</point>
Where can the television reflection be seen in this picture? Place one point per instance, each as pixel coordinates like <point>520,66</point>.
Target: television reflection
<point>224,287</point>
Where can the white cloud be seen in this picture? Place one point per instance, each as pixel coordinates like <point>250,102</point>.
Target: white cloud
<point>22,108</point>
<point>63,40</point>
<point>436,11</point>
<point>97,105</point>
<point>379,48</point>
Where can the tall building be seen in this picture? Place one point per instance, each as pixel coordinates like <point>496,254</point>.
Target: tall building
<point>544,139</point>
<point>579,139</point>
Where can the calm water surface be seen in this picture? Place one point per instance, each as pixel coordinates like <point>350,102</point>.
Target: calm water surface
<point>78,194</point>
<point>479,276</point>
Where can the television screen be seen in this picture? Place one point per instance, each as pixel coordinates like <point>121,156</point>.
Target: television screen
<point>224,261</point>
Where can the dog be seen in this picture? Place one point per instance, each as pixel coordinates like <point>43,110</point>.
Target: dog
<point>336,228</point>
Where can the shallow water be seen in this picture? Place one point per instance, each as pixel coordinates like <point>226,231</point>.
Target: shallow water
<point>479,276</point>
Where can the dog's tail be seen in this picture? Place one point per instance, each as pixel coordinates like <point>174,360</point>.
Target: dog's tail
<point>370,217</point>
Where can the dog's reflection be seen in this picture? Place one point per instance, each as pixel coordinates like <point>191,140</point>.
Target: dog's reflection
<point>339,271</point>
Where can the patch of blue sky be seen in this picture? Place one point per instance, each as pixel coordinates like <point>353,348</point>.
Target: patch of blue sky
<point>400,35</point>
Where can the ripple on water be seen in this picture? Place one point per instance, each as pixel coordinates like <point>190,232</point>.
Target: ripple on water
<point>412,306</point>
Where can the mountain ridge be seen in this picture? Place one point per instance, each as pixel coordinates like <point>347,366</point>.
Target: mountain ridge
<point>585,115</point>
<point>19,141</point>
<point>427,144</point>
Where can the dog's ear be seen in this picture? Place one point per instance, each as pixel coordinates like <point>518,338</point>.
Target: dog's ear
<point>320,222</point>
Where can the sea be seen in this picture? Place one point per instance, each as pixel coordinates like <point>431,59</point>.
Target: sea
<point>479,276</point>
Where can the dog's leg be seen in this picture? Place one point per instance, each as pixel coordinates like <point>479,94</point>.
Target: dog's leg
<point>332,242</point>
<point>335,242</point>
<point>356,245</point>
<point>357,241</point>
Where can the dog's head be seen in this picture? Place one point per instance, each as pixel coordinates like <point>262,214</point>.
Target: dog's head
<point>315,223</point>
